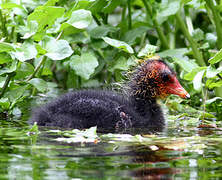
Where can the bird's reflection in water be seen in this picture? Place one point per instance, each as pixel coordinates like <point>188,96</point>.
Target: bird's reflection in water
<point>151,161</point>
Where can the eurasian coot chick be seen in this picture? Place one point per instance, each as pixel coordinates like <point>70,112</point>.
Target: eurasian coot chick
<point>110,110</point>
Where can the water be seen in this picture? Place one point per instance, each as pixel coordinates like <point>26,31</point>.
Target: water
<point>178,153</point>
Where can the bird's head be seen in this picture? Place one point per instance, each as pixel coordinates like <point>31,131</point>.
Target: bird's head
<point>155,79</point>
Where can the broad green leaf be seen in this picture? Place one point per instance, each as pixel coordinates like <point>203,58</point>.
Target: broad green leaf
<point>91,83</point>
<point>179,58</point>
<point>131,35</point>
<point>197,81</point>
<point>147,50</point>
<point>55,28</point>
<point>216,58</point>
<point>101,31</point>
<point>211,39</point>
<point>98,5</point>
<point>209,101</point>
<point>121,63</point>
<point>198,34</point>
<point>212,72</point>
<point>56,49</point>
<point>26,51</point>
<point>2,81</point>
<point>39,84</point>
<point>190,76</point>
<point>29,30</point>
<point>78,38</point>
<point>10,69</point>
<point>166,9</point>
<point>6,47</point>
<point>5,58</point>
<point>195,3</point>
<point>119,44</point>
<point>15,94</point>
<point>76,135</point>
<point>4,103</point>
<point>84,65</point>
<point>215,84</point>
<point>51,2</point>
<point>11,6</point>
<point>16,112</point>
<point>46,16</point>
<point>79,19</point>
<point>110,7</point>
<point>24,70</point>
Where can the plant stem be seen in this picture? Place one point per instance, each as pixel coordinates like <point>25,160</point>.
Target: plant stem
<point>37,68</point>
<point>3,26</point>
<point>196,53</point>
<point>217,21</point>
<point>156,25</point>
<point>123,13</point>
<point>129,15</point>
<point>97,20</point>
<point>9,76</point>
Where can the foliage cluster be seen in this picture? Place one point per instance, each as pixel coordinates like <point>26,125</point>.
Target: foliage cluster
<point>46,45</point>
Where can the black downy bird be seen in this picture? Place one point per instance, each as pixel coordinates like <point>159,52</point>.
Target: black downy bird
<point>110,110</point>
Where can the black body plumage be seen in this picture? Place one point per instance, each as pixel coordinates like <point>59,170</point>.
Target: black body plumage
<point>105,109</point>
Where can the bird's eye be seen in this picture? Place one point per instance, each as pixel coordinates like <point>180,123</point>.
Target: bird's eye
<point>165,77</point>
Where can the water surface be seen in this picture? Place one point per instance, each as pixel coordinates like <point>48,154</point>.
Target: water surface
<point>178,153</point>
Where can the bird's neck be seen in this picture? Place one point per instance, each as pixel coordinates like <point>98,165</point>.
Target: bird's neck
<point>151,116</point>
<point>143,106</point>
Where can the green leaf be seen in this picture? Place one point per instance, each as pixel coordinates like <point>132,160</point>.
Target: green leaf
<point>110,7</point>
<point>5,58</point>
<point>6,47</point>
<point>190,76</point>
<point>121,63</point>
<point>119,44</point>
<point>198,34</point>
<point>101,31</point>
<point>178,57</point>
<point>215,84</point>
<point>166,9</point>
<point>216,58</point>
<point>29,30</point>
<point>16,112</point>
<point>197,81</point>
<point>76,135</point>
<point>11,6</point>
<point>34,129</point>
<point>10,69</point>
<point>79,19</point>
<point>211,39</point>
<point>212,72</point>
<point>98,5</point>
<point>195,3</point>
<point>2,81</point>
<point>147,50</point>
<point>45,16</point>
<point>56,49</point>
<point>24,70</point>
<point>131,36</point>
<point>26,51</point>
<point>4,103</point>
<point>51,2</point>
<point>209,101</point>
<point>78,38</point>
<point>15,94</point>
<point>84,65</point>
<point>39,84</point>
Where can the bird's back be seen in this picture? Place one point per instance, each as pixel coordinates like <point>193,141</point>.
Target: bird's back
<point>84,109</point>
